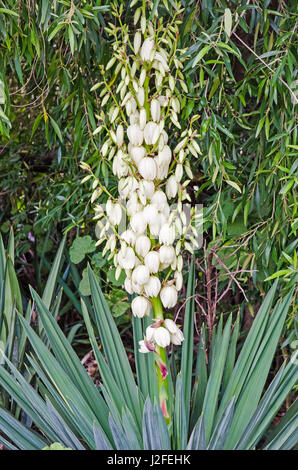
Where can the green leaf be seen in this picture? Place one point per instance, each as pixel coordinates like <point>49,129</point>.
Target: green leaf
<point>187,346</point>
<point>228,21</point>
<point>80,247</point>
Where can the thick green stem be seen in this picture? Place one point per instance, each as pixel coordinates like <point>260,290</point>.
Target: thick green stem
<point>161,357</point>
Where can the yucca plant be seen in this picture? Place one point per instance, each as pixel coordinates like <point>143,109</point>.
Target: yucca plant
<point>222,405</point>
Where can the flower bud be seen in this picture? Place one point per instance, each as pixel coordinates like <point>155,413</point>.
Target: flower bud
<point>150,213</point>
<point>119,135</point>
<point>151,133</point>
<point>177,337</point>
<point>126,258</point>
<point>179,280</point>
<point>162,60</point>
<point>141,96</point>
<point>147,187</point>
<point>167,255</point>
<point>140,275</point>
<point>140,306</point>
<point>128,286</point>
<point>138,222</point>
<point>146,49</point>
<point>155,110</point>
<point>171,326</point>
<point>129,237</point>
<point>152,287</point>
<point>169,296</point>
<point>135,134</point>
<point>137,42</point>
<point>114,213</point>
<point>171,187</point>
<point>159,335</point>
<point>159,199</point>
<point>137,153</point>
<point>179,172</point>
<point>143,245</point>
<point>167,234</point>
<point>147,168</point>
<point>143,118</point>
<point>152,261</point>
<point>142,77</point>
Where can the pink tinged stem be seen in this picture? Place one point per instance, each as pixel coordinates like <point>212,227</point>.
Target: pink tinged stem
<point>164,410</point>
<point>163,369</point>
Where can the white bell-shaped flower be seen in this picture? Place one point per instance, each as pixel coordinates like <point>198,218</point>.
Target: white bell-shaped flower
<point>137,154</point>
<point>167,254</point>
<point>167,234</point>
<point>133,205</point>
<point>152,287</point>
<point>159,199</point>
<point>128,285</point>
<point>151,133</point>
<point>150,213</point>
<point>171,326</point>
<point>177,337</point>
<point>141,96</point>
<point>171,187</point>
<point>140,275</point>
<point>147,187</point>
<point>119,135</point>
<point>155,110</point>
<point>114,212</point>
<point>138,222</point>
<point>140,306</point>
<point>126,258</point>
<point>143,245</point>
<point>146,50</point>
<point>120,165</point>
<point>159,335</point>
<point>129,237</point>
<point>135,134</point>
<point>147,168</point>
<point>169,296</point>
<point>152,261</point>
<point>143,118</point>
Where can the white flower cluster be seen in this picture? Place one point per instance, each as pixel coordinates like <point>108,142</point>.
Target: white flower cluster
<point>146,106</point>
<point>161,333</point>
